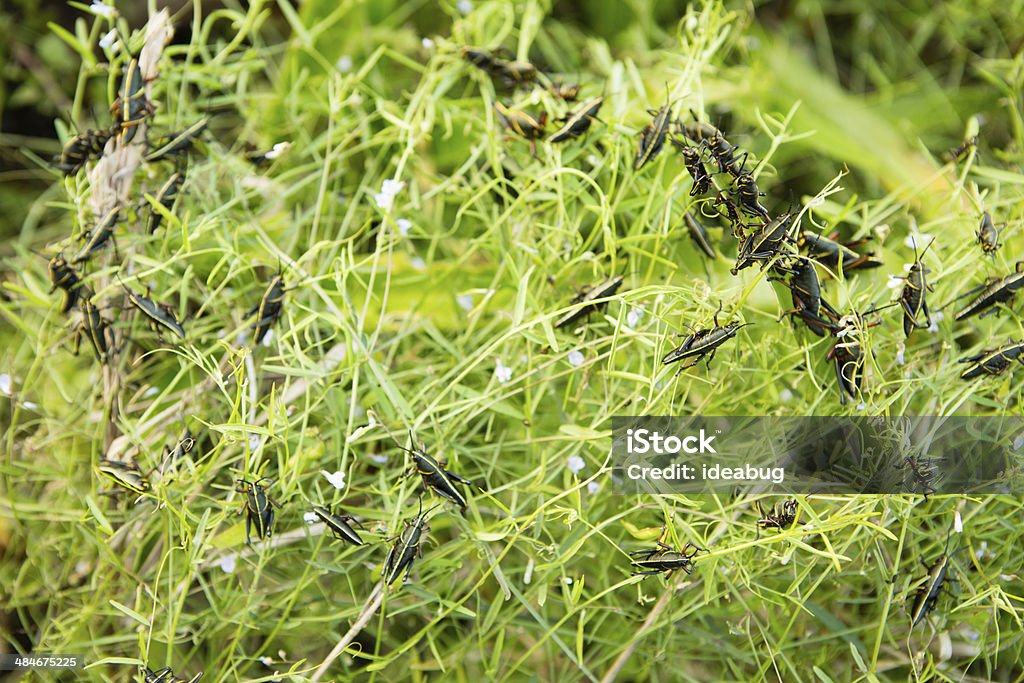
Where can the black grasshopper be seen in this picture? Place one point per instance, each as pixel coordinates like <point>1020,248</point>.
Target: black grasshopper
<point>99,235</point>
<point>922,474</point>
<point>127,476</point>
<point>259,508</point>
<point>522,124</point>
<point>268,310</point>
<point>159,316</point>
<point>132,107</point>
<point>481,59</point>
<point>695,167</point>
<point>406,547</point>
<point>703,342</point>
<point>512,73</point>
<point>994,291</point>
<point>927,595</point>
<point>579,123</point>
<point>957,152</point>
<point>80,149</point>
<point>993,361</point>
<point>95,328</point>
<point>652,137</point>
<point>435,477</point>
<point>848,356</point>
<point>699,234</point>
<point>777,518</point>
<point>988,234</point>
<point>731,214</point>
<point>64,277</point>
<point>338,524</point>
<point>515,72</point>
<point>830,253</point>
<point>182,448</point>
<point>912,298</point>
<point>177,143</point>
<point>765,243</point>
<point>805,290</point>
<point>566,91</point>
<point>590,300</point>
<point>165,197</point>
<point>748,192</point>
<point>166,675</point>
<point>664,559</point>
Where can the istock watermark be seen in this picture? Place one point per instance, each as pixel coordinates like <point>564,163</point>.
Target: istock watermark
<point>924,455</point>
<point>646,441</point>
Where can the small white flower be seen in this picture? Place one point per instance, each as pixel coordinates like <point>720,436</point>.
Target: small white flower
<point>568,581</point>
<point>5,384</point>
<point>102,10</point>
<point>464,6</point>
<point>501,373</point>
<point>575,358</point>
<point>418,263</point>
<point>227,563</point>
<point>109,39</point>
<point>465,301</point>
<point>899,353</point>
<point>934,327</point>
<point>30,405</point>
<point>895,282</point>
<point>389,189</point>
<point>593,487</point>
<point>634,316</point>
<point>980,552</point>
<point>268,337</point>
<point>336,479</point>
<point>379,459</point>
<point>862,406</point>
<point>267,661</point>
<point>575,464</point>
<point>310,517</point>
<point>958,523</point>
<point>152,391</point>
<point>427,43</point>
<point>403,225</point>
<point>254,441</point>
<point>344,64</point>
<point>279,149</point>
<point>786,395</point>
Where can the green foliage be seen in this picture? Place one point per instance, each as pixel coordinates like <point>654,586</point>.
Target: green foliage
<point>403,318</point>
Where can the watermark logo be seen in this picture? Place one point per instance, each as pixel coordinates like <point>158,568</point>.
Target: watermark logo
<point>643,441</point>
